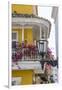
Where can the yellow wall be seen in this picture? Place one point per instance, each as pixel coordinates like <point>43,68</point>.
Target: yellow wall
<point>28,35</point>
<point>22,9</point>
<point>25,74</point>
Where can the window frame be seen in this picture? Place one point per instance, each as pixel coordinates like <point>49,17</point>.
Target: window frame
<point>16,36</point>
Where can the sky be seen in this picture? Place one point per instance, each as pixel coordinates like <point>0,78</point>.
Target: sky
<point>46,12</point>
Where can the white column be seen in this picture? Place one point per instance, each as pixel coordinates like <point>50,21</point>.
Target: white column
<point>22,33</point>
<point>22,40</point>
<point>35,10</point>
<point>40,32</point>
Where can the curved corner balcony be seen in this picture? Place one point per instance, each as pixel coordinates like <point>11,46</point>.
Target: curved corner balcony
<point>37,23</point>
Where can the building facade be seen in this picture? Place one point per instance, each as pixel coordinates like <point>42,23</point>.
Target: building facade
<point>28,61</point>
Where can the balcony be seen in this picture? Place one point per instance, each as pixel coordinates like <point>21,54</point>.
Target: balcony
<point>25,20</point>
<point>41,31</point>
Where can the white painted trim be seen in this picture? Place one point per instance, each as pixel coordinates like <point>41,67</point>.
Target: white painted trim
<point>31,21</point>
<point>9,46</point>
<point>20,27</point>
<point>23,21</point>
<point>26,65</point>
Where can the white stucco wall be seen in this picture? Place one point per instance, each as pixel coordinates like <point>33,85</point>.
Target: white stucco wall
<point>55,17</point>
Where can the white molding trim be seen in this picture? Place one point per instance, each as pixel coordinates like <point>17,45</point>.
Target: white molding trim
<point>20,27</point>
<point>22,21</point>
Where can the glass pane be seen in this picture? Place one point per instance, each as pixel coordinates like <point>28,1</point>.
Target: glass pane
<point>41,47</point>
<point>14,35</point>
<point>43,36</point>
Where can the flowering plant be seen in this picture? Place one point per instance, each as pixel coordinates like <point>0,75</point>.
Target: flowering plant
<point>50,56</point>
